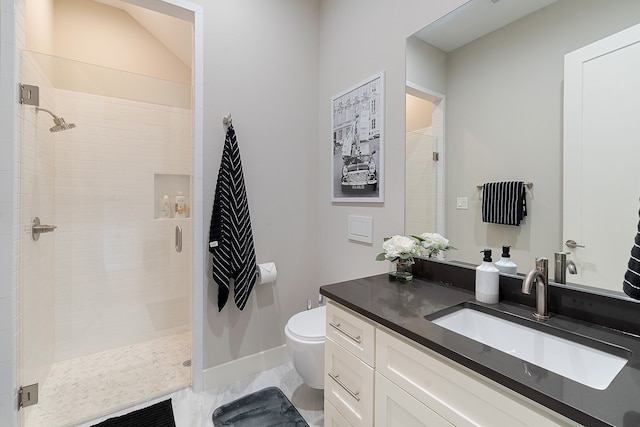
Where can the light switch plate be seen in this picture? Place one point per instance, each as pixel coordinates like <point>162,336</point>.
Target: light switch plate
<point>360,228</point>
<point>462,203</point>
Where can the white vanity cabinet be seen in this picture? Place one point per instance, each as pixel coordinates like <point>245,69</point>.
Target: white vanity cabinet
<point>457,394</point>
<point>414,386</point>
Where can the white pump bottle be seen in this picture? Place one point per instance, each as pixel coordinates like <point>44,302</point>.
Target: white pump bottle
<point>487,280</point>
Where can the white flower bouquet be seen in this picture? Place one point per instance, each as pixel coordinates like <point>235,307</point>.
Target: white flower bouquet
<point>399,248</point>
<point>406,247</point>
<point>431,244</point>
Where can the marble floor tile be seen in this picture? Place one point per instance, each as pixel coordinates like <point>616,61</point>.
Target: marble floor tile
<point>80,389</point>
<point>195,410</point>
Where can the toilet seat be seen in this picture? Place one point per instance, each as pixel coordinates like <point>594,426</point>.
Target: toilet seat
<point>308,325</point>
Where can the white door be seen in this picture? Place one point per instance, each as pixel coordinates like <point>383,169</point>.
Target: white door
<point>601,157</point>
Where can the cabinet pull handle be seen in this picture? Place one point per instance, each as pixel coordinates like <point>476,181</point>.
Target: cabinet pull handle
<point>337,327</point>
<point>354,394</point>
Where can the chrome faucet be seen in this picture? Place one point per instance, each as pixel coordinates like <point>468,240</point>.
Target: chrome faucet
<point>561,267</point>
<point>539,275</point>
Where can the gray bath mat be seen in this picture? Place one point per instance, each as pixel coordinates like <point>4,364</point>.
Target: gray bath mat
<point>268,407</point>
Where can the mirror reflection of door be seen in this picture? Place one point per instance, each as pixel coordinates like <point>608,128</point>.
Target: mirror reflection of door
<point>424,161</point>
<point>601,154</point>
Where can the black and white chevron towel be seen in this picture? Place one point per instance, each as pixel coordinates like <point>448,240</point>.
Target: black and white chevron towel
<point>230,237</point>
<point>504,202</point>
<point>631,284</point>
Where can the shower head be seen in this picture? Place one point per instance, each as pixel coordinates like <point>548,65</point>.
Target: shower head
<point>61,125</point>
<point>59,121</point>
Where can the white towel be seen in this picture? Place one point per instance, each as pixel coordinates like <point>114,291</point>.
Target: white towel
<point>230,236</point>
<point>631,284</point>
<point>504,202</point>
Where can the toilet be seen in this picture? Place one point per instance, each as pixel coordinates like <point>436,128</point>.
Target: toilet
<point>305,334</point>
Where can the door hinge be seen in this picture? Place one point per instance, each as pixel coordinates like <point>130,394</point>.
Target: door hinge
<point>29,95</point>
<point>28,395</point>
<point>436,156</point>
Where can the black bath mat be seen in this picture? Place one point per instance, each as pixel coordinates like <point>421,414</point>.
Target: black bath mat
<point>158,415</point>
<point>268,407</point>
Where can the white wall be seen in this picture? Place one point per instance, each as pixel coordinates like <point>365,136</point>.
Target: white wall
<point>419,112</point>
<point>53,27</point>
<point>359,38</point>
<point>115,56</point>
<point>426,65</point>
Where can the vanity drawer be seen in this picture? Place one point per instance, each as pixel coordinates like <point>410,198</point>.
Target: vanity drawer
<point>348,385</point>
<point>333,418</point>
<point>352,332</point>
<point>456,393</point>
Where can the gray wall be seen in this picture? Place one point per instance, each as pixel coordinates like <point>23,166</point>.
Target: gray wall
<point>261,65</point>
<point>504,121</point>
<point>359,38</point>
<point>275,66</point>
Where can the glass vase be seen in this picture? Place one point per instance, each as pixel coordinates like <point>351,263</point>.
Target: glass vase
<point>401,270</point>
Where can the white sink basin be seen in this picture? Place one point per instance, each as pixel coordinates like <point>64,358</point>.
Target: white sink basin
<point>586,365</point>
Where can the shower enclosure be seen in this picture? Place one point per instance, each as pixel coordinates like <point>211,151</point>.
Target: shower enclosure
<point>106,290</point>
<point>424,160</point>
<point>421,180</point>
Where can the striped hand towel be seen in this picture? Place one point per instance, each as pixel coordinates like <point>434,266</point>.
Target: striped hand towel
<point>504,202</point>
<point>631,284</point>
<point>230,236</point>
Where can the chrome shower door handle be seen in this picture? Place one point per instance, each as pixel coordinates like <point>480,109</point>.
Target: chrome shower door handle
<point>178,238</point>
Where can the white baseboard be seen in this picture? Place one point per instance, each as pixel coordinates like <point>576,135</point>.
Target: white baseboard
<point>230,372</point>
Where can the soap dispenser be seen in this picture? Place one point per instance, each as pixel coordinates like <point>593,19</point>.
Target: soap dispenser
<point>487,280</point>
<point>504,264</point>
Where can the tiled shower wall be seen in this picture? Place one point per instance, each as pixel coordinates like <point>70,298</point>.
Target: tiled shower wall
<point>119,278</point>
<point>109,275</point>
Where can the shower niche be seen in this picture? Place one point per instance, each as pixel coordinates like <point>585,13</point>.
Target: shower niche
<point>171,185</point>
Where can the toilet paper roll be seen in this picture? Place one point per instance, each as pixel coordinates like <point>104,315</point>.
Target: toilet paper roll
<point>266,273</point>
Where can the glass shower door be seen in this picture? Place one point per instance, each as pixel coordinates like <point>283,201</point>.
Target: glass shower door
<point>106,296</point>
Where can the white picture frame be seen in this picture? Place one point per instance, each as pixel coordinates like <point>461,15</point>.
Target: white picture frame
<point>357,142</point>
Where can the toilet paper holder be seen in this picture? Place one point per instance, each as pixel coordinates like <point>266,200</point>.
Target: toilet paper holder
<point>266,273</point>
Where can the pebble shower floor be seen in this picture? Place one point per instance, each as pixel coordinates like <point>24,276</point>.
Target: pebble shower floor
<point>80,389</point>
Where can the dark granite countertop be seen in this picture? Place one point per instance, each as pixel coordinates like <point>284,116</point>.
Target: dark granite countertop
<point>401,307</point>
